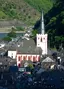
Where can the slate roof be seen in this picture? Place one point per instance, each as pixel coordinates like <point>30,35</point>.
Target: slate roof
<point>29,47</point>
<point>11,46</point>
<point>48,59</point>
<point>2,50</point>
<point>6,61</point>
<point>25,47</point>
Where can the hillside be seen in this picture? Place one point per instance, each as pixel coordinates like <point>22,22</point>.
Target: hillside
<point>24,10</point>
<point>40,5</point>
<point>18,9</point>
<point>54,21</point>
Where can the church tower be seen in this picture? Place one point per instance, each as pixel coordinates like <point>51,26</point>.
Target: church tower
<point>42,38</point>
<point>42,24</point>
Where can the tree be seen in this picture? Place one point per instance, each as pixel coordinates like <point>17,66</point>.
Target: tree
<point>12,33</point>
<point>53,20</point>
<point>62,41</point>
<point>34,32</point>
<point>51,38</point>
<point>57,41</point>
<point>7,38</point>
<point>31,66</point>
<point>62,21</point>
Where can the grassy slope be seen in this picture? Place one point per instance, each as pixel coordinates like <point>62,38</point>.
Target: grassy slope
<point>25,10</point>
<point>18,9</point>
<point>41,4</point>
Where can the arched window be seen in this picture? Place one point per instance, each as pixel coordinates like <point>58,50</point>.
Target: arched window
<point>19,65</point>
<point>19,58</point>
<point>34,59</point>
<point>24,58</point>
<point>41,39</point>
<point>29,57</point>
<point>38,38</point>
<point>38,58</point>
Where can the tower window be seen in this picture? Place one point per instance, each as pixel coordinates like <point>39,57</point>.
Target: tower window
<point>38,37</point>
<point>41,39</point>
<point>44,38</point>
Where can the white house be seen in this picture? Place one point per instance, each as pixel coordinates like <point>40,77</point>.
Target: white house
<point>12,54</point>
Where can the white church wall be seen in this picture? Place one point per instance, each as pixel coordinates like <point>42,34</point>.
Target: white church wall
<point>42,42</point>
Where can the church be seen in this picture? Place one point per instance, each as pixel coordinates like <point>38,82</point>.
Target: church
<point>42,38</point>
<point>27,50</point>
<point>41,42</point>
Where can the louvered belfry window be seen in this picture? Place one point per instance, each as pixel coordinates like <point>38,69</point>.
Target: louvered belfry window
<point>41,39</point>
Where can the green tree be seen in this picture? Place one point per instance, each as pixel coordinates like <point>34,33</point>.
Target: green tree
<point>62,14</point>
<point>53,20</point>
<point>62,41</point>
<point>31,66</point>
<point>12,33</point>
<point>7,38</point>
<point>34,32</point>
<point>51,38</point>
<point>57,41</point>
<point>62,21</point>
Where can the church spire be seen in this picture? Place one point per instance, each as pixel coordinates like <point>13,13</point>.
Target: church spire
<point>42,24</point>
